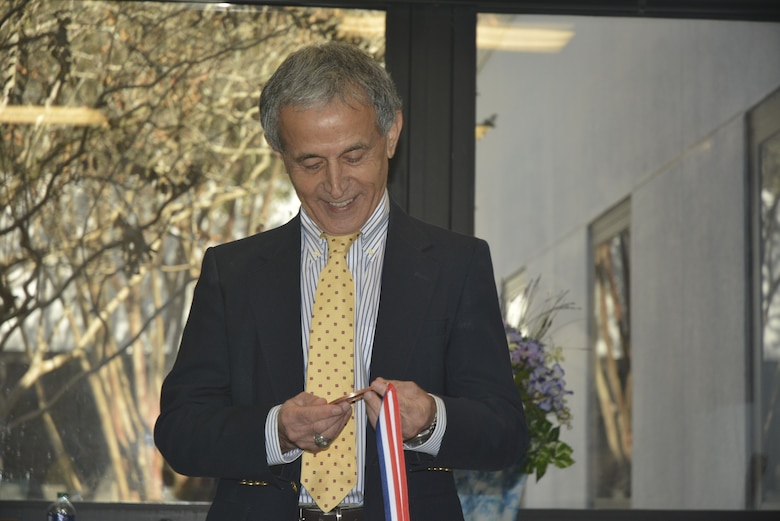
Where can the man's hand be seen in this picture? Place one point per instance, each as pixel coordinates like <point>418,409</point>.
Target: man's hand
<point>418,408</point>
<point>304,415</point>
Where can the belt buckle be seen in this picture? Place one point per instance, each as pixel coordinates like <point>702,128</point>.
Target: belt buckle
<point>320,516</point>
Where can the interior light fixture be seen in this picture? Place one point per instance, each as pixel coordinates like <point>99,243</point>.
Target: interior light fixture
<point>42,115</point>
<point>522,37</point>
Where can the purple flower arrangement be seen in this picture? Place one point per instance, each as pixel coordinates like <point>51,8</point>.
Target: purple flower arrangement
<point>539,377</point>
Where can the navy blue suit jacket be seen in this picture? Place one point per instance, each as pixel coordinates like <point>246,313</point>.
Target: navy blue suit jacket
<point>439,325</point>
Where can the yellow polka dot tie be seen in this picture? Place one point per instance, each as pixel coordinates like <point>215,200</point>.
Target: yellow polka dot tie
<point>330,474</point>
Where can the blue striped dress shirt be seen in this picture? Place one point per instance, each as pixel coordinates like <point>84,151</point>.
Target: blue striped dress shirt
<point>365,259</point>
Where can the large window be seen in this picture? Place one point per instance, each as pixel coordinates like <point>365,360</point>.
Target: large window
<point>129,142</point>
<point>765,150</point>
<point>671,409</point>
<point>610,415</point>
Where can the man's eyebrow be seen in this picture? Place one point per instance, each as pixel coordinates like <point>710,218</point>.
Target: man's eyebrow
<point>304,157</point>
<point>357,146</point>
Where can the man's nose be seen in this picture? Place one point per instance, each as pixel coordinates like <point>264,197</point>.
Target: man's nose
<point>335,179</point>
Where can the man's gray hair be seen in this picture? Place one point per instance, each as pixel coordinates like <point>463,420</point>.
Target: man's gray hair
<point>315,75</point>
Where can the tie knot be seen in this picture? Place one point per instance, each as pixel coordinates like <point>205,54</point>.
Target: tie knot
<point>339,244</point>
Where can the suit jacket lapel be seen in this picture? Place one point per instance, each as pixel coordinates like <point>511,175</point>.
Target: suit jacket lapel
<point>278,319</point>
<point>408,279</point>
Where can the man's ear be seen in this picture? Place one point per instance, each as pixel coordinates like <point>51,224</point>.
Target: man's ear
<point>394,133</point>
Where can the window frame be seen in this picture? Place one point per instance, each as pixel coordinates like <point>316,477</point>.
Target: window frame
<point>763,123</point>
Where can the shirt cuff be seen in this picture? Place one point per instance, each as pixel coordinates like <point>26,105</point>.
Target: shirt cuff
<point>273,450</point>
<point>433,444</point>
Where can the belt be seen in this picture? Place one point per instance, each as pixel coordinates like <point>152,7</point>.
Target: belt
<point>312,513</point>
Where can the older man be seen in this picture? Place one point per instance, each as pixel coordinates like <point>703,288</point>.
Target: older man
<point>243,402</point>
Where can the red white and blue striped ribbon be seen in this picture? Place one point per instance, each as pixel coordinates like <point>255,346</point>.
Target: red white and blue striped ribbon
<point>390,445</point>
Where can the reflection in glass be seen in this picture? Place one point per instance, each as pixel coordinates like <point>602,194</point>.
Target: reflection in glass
<point>129,144</point>
<point>514,298</point>
<point>769,426</point>
<point>612,373</point>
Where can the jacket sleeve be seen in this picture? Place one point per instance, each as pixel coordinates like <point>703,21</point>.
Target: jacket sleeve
<point>486,425</point>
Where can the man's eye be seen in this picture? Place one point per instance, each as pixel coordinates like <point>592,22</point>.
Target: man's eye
<point>312,166</point>
<point>353,159</point>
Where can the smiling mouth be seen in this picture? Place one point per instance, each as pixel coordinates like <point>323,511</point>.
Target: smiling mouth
<point>342,204</point>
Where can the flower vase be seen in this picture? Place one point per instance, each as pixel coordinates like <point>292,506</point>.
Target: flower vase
<point>490,496</point>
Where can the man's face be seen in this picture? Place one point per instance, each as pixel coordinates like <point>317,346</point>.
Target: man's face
<point>337,161</point>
